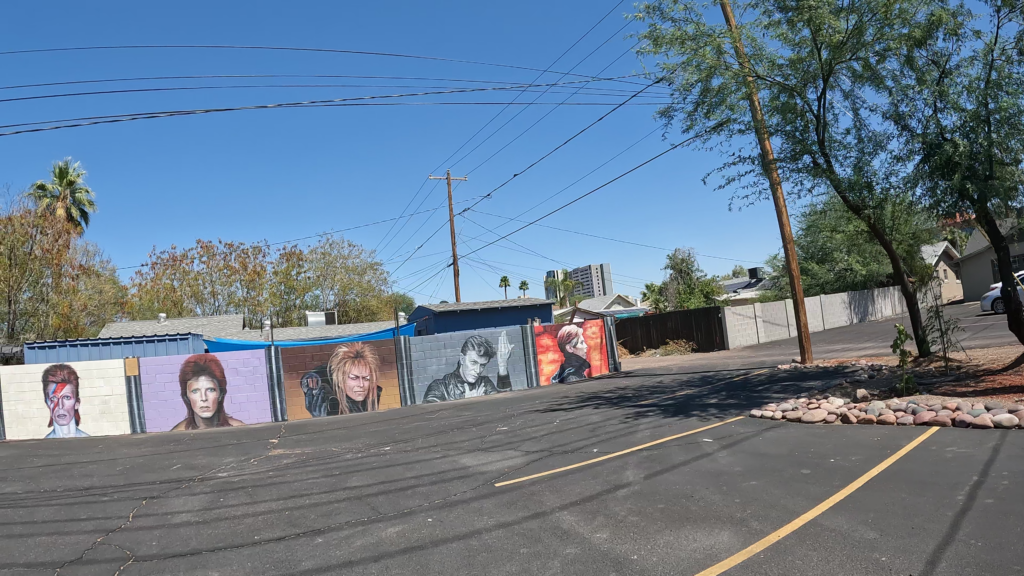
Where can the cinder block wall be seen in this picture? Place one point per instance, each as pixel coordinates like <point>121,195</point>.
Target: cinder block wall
<point>248,397</point>
<point>759,323</point>
<point>104,408</point>
<point>437,355</point>
<point>741,327</point>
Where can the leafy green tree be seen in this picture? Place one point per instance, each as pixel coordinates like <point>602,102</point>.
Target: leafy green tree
<point>524,286</point>
<point>404,302</point>
<point>815,65</point>
<point>738,271</point>
<point>958,101</point>
<point>504,283</point>
<point>687,286</point>
<point>65,195</point>
<point>651,294</point>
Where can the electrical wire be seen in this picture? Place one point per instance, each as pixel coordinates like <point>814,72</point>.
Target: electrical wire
<point>582,196</point>
<point>268,48</point>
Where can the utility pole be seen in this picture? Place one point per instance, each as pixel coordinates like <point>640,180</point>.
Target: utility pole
<point>451,224</point>
<point>775,183</point>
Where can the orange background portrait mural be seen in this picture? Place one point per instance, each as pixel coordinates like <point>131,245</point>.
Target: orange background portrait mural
<point>550,358</point>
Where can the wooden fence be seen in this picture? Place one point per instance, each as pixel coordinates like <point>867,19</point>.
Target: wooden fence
<point>702,326</point>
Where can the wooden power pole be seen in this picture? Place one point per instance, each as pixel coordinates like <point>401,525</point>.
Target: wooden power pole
<point>451,224</point>
<point>775,183</point>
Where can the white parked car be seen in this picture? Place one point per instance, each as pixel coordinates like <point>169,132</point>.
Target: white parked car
<point>992,301</point>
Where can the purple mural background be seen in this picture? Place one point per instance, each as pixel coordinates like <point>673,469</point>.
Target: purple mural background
<point>248,397</point>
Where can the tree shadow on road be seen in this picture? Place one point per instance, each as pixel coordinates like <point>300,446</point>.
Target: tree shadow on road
<point>705,396</point>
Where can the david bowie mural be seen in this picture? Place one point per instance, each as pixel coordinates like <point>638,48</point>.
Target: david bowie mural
<point>347,384</point>
<point>204,387</point>
<point>60,391</point>
<point>574,355</point>
<point>468,379</point>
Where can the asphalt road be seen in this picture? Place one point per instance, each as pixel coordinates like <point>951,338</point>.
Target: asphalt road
<point>412,491</point>
<point>981,330</point>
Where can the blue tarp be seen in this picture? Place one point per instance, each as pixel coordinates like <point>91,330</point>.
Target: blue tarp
<point>226,345</point>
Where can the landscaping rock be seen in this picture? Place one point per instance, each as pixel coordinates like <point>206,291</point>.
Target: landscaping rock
<point>887,420</point>
<point>770,408</point>
<point>848,418</point>
<point>951,406</point>
<point>785,407</point>
<point>977,412</point>
<point>998,411</point>
<point>898,406</point>
<point>978,406</point>
<point>899,414</point>
<point>947,413</point>
<point>1006,421</point>
<point>862,394</point>
<point>1020,415</point>
<point>912,402</point>
<point>814,416</point>
<point>1014,408</point>
<point>990,406</point>
<point>867,419</point>
<point>983,422</point>
<point>940,421</point>
<point>755,413</point>
<point>963,421</point>
<point>963,407</point>
<point>935,408</point>
<point>837,402</point>
<point>812,406</point>
<point>831,418</point>
<point>905,421</point>
<point>923,417</point>
<point>793,416</point>
<point>877,404</point>
<point>767,414</point>
<point>856,413</point>
<point>777,415</point>
<point>885,412</point>
<point>872,411</point>
<point>872,375</point>
<point>915,410</point>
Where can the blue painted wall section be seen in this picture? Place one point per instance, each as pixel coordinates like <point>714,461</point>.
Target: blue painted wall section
<point>87,349</point>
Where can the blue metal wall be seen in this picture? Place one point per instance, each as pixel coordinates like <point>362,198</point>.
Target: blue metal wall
<point>112,348</point>
<point>429,322</point>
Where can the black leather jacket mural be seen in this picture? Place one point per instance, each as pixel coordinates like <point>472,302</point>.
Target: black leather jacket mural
<point>574,367</point>
<point>454,387</point>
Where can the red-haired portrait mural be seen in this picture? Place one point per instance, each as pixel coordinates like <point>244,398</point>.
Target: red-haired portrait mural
<point>570,352</point>
<point>203,390</point>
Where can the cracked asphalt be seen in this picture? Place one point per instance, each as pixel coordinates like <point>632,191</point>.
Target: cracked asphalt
<point>412,490</point>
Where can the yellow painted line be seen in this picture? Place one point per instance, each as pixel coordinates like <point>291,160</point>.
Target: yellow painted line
<point>613,455</point>
<point>702,387</point>
<point>814,512</point>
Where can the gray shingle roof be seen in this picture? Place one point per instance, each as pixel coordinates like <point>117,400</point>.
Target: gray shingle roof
<point>460,306</point>
<point>598,303</point>
<point>230,327</point>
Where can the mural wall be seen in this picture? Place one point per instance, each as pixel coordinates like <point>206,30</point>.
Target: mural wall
<point>76,399</point>
<point>569,352</point>
<point>467,364</point>
<point>339,379</point>
<point>197,391</point>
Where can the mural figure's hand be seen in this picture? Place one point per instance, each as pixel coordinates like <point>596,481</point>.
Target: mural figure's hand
<point>315,393</point>
<point>504,352</point>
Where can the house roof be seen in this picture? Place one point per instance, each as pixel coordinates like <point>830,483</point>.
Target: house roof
<point>977,243</point>
<point>226,326</point>
<point>932,252</point>
<point>464,306</point>
<point>229,327</point>
<point>599,303</point>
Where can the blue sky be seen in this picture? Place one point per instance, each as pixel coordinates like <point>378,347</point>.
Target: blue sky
<point>288,173</point>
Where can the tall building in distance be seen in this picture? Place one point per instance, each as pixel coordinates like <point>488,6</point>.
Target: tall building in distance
<point>591,281</point>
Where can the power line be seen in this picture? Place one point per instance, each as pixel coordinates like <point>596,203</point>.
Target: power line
<point>488,123</point>
<point>269,48</point>
<point>582,196</point>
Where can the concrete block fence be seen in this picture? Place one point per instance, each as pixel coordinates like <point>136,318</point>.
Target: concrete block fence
<point>759,323</point>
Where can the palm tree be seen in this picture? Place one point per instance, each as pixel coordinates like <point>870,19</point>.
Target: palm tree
<point>65,196</point>
<point>653,295</point>
<point>504,283</point>
<point>562,286</point>
<point>524,286</point>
